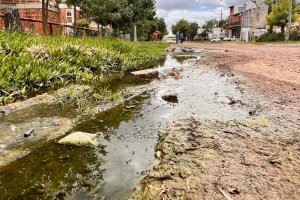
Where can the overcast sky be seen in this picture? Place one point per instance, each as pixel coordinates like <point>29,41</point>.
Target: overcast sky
<point>192,10</point>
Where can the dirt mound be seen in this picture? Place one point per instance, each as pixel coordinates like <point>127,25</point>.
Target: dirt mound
<point>215,160</point>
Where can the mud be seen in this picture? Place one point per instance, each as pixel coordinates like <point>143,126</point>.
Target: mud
<point>38,100</point>
<point>256,158</point>
<point>202,159</point>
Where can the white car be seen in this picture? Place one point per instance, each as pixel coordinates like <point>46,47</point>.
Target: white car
<point>216,40</point>
<point>227,39</point>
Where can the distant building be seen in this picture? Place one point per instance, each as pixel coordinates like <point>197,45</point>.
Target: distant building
<point>247,21</point>
<point>241,20</point>
<point>215,33</point>
<point>32,9</point>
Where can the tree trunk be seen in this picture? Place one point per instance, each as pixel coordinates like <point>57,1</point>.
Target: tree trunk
<point>44,16</point>
<point>98,28</point>
<point>102,30</point>
<point>135,33</point>
<point>271,28</point>
<point>282,29</point>
<point>12,21</point>
<point>75,20</point>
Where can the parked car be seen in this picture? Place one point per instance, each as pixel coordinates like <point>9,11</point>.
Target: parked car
<point>216,40</point>
<point>227,39</point>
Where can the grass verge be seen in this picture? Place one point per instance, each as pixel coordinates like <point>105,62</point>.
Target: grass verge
<point>31,63</point>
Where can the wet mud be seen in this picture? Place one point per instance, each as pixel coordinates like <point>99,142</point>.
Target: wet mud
<point>203,159</point>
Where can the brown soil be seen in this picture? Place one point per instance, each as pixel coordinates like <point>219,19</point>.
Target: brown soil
<point>215,160</point>
<point>279,62</point>
<point>204,159</point>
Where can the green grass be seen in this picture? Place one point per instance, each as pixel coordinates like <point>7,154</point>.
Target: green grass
<point>30,63</point>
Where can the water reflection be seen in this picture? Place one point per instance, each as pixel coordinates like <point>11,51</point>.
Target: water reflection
<point>53,172</point>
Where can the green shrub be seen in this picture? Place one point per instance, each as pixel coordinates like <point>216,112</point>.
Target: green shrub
<point>83,23</point>
<point>271,37</point>
<point>295,36</point>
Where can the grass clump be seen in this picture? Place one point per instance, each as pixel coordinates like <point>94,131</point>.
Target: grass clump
<point>85,97</point>
<point>30,63</point>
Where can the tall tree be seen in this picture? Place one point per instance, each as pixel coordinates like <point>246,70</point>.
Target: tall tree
<point>279,14</point>
<point>122,14</point>
<point>161,26</point>
<point>142,10</point>
<point>146,28</point>
<point>270,4</point>
<point>181,26</point>
<point>45,4</point>
<point>104,11</point>
<point>193,30</point>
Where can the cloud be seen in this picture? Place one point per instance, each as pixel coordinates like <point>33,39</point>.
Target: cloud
<point>192,10</point>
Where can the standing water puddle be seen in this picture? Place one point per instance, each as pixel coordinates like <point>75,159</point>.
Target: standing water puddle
<point>113,169</point>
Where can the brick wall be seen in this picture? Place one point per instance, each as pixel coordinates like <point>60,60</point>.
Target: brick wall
<point>35,12</point>
<point>24,1</point>
<point>234,20</point>
<point>32,13</point>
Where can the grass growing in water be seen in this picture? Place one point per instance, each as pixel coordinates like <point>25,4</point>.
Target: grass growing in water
<point>30,63</point>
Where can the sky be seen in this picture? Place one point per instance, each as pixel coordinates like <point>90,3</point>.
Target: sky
<point>192,10</point>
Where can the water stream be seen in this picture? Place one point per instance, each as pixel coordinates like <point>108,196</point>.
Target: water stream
<point>111,170</point>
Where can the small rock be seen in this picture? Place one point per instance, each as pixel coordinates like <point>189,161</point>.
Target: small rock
<point>13,127</point>
<point>275,161</point>
<point>146,73</point>
<point>178,50</point>
<point>2,112</point>
<point>158,154</point>
<point>170,96</point>
<point>233,190</point>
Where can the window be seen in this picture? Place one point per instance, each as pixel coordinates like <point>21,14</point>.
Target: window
<point>69,16</point>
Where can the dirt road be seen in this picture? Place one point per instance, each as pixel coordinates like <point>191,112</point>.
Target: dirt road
<point>256,159</point>
<point>276,62</point>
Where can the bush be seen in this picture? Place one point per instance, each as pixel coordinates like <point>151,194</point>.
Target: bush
<point>271,37</point>
<point>84,23</point>
<point>295,36</point>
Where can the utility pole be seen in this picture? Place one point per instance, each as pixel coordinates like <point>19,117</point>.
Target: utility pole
<point>221,19</point>
<point>290,20</point>
<point>134,33</point>
<point>254,21</point>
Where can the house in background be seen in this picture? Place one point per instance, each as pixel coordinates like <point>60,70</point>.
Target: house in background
<point>67,17</point>
<point>247,21</point>
<point>241,17</point>
<point>216,32</point>
<point>235,21</point>
<point>32,9</point>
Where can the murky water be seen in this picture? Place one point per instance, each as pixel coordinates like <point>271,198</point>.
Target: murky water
<point>113,169</point>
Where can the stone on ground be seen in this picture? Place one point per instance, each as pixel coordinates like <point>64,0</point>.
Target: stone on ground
<point>146,73</point>
<point>170,96</point>
<point>80,139</point>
